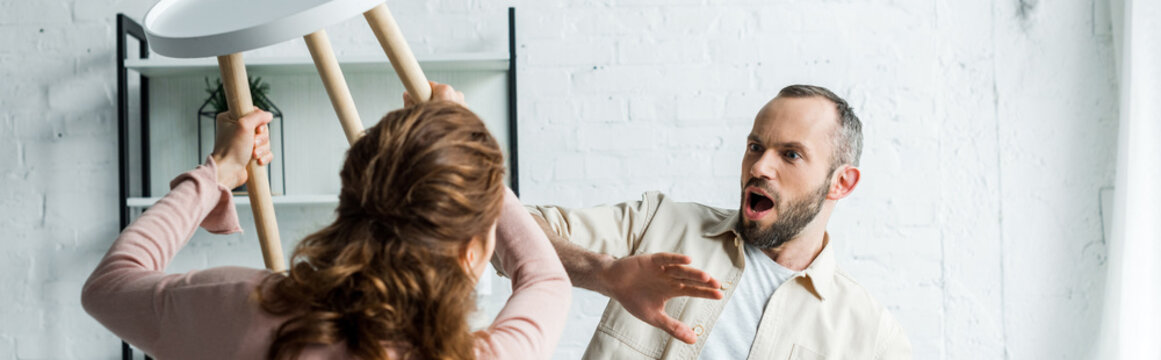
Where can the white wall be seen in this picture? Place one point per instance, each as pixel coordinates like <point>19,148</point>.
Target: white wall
<point>989,130</point>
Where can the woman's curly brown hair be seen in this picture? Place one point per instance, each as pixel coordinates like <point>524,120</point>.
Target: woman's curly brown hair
<point>415,189</point>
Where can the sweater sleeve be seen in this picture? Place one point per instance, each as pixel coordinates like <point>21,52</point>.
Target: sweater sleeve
<point>125,292</point>
<point>531,322</point>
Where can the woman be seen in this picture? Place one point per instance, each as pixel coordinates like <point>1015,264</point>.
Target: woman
<point>392,278</point>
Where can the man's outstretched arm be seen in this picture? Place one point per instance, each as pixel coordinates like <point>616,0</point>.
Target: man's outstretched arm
<point>641,283</point>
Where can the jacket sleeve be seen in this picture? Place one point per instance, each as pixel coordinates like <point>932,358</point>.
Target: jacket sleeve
<point>893,343</point>
<point>615,230</point>
<point>125,292</point>
<point>531,322</point>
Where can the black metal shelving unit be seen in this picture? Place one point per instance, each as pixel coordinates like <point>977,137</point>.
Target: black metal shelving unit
<point>128,28</point>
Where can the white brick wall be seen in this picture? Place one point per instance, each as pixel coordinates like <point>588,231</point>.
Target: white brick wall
<point>988,135</point>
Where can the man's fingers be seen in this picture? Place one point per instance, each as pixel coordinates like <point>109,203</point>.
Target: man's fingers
<point>696,290</point>
<point>664,259</point>
<point>689,273</point>
<point>679,330</point>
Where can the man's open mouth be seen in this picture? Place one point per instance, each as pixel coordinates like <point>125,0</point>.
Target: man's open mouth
<point>757,203</point>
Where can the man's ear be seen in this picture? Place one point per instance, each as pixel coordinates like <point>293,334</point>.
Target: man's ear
<point>843,182</point>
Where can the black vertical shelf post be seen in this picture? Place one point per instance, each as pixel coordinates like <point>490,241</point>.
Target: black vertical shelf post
<point>513,159</point>
<point>128,27</point>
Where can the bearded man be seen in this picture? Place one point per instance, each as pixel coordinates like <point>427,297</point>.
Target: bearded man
<point>757,283</point>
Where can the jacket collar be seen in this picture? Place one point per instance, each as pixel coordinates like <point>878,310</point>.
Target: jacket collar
<point>726,225</point>
<point>821,271</point>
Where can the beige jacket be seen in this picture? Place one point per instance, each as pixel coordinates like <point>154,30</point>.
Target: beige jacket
<point>821,313</point>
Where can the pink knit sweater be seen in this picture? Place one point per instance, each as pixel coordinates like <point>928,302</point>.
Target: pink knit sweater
<point>210,314</point>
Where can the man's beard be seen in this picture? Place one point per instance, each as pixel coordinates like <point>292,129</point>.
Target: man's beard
<point>792,217</point>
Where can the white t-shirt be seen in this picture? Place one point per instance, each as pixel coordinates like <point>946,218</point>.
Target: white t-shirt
<point>735,329</point>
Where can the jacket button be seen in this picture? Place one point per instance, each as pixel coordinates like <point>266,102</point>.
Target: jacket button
<point>726,285</point>
<point>698,330</point>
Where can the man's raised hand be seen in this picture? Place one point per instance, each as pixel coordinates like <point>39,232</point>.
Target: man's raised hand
<point>644,283</point>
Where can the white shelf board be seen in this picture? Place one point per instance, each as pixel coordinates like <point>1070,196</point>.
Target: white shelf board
<point>162,66</point>
<point>140,202</point>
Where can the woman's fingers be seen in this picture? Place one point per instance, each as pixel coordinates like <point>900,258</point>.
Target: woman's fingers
<point>262,151</point>
<point>407,101</point>
<point>255,119</point>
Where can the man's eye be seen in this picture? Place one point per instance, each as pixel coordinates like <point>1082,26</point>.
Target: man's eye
<point>792,155</point>
<point>755,148</point>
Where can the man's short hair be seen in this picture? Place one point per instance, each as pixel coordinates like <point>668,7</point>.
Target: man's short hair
<point>848,140</point>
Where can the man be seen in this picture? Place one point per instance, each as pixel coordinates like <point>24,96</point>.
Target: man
<point>782,294</point>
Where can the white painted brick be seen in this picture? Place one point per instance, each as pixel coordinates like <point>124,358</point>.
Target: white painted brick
<point>31,12</point>
<point>27,328</point>
<point>93,10</point>
<point>735,51</point>
<point>608,109</point>
<point>551,137</point>
<point>545,82</point>
<point>602,167</point>
<point>618,137</point>
<point>649,165</point>
<point>691,163</point>
<point>781,19</point>
<point>569,167</point>
<point>659,2</point>
<point>24,94</point>
<point>72,153</point>
<point>10,158</point>
<point>699,109</point>
<point>61,206</point>
<point>642,109</point>
<point>26,202</point>
<point>617,79</point>
<point>32,72</point>
<point>727,163</point>
<point>597,21</point>
<point>708,191</point>
<point>571,52</point>
<point>75,40</point>
<point>637,51</point>
<point>7,347</point>
<point>41,125</point>
<point>734,22</point>
<point>538,170</point>
<point>692,79</point>
<point>88,124</point>
<point>81,94</point>
<point>7,126</point>
<point>701,137</point>
<point>556,110</point>
<point>635,22</point>
<point>741,108</point>
<point>542,26</point>
<point>681,21</point>
<point>62,292</point>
